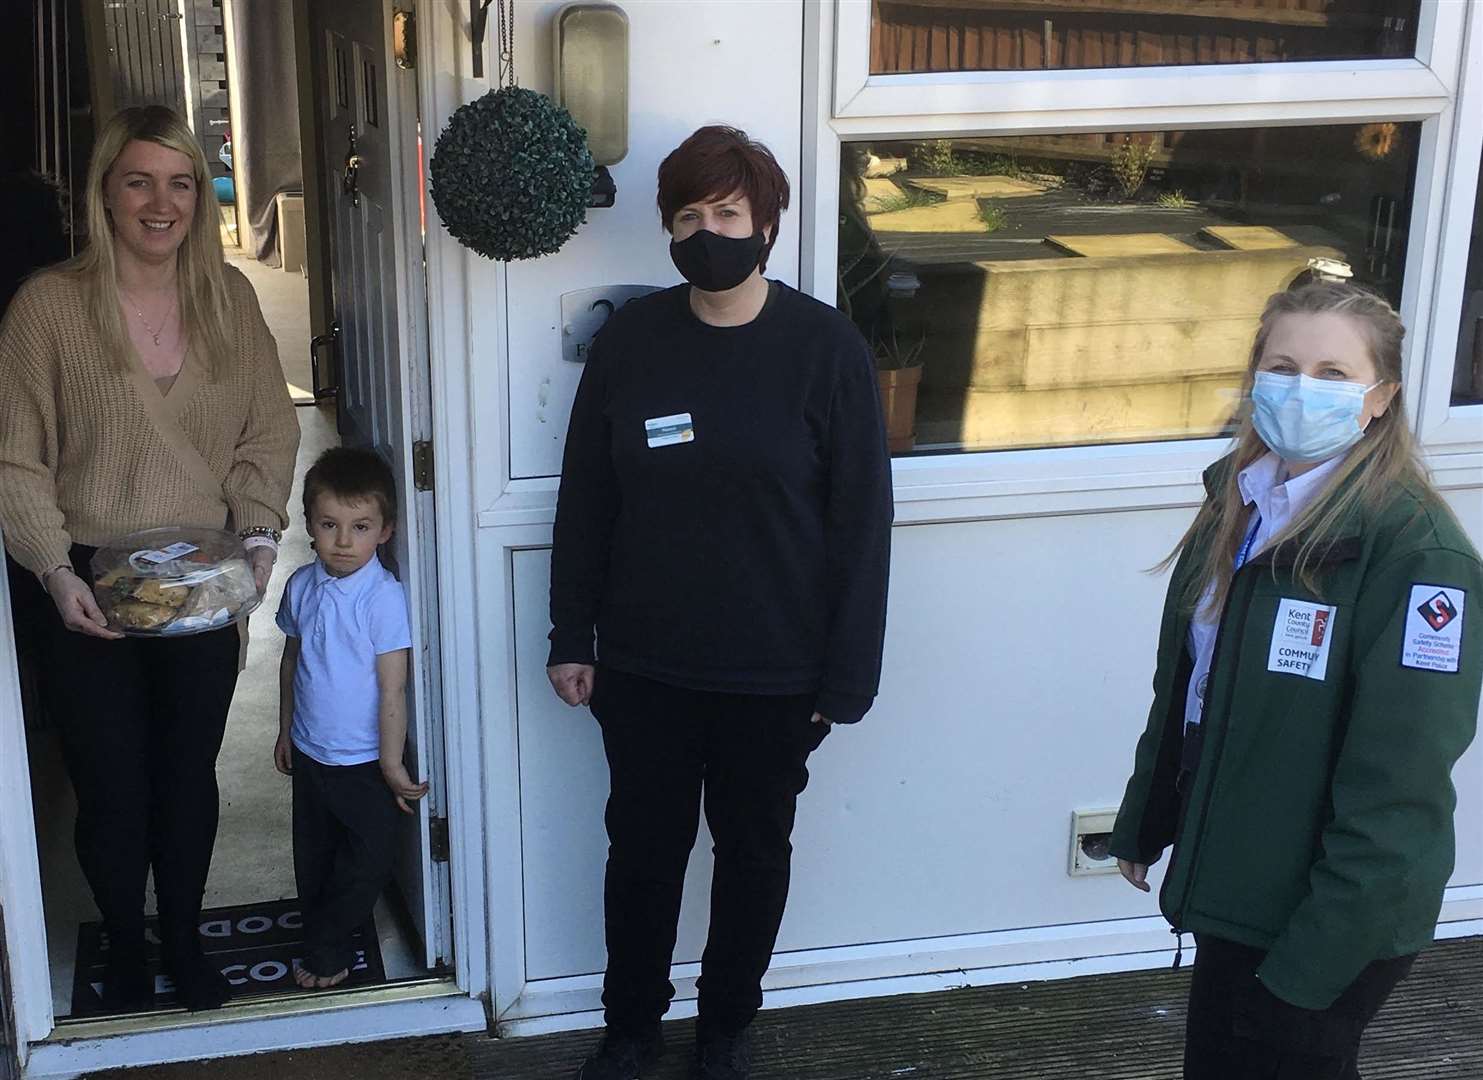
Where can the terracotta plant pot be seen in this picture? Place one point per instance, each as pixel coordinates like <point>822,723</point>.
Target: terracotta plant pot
<point>899,403</point>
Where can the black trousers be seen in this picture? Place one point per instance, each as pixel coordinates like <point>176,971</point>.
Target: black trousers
<point>668,750</point>
<point>141,722</point>
<point>345,831</point>
<point>1238,1030</point>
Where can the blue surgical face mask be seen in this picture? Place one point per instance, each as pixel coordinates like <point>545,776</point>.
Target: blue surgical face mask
<point>1305,419</point>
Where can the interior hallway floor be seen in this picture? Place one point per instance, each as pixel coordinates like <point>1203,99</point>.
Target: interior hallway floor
<point>284,298</point>
<point>253,857</point>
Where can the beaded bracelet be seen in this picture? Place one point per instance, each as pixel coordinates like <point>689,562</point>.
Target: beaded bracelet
<point>261,530</point>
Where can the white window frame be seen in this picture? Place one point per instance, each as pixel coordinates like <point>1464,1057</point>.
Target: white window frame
<point>1444,427</point>
<point>858,93</point>
<point>847,103</point>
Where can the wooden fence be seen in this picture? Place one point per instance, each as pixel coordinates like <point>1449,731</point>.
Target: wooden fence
<point>144,51</point>
<point>1012,35</point>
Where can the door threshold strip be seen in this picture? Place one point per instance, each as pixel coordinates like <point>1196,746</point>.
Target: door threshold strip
<point>261,1008</point>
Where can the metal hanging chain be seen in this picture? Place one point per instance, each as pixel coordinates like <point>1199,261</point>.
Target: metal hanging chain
<point>505,28</point>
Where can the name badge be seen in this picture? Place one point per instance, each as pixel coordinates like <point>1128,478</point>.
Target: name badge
<point>669,430</point>
<point>1300,639</point>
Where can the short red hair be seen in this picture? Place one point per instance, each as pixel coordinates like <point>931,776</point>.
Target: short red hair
<point>718,161</point>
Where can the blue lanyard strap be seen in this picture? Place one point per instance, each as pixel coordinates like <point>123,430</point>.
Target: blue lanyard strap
<point>1245,552</point>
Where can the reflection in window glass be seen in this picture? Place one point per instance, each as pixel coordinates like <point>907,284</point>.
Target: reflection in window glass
<point>1019,35</point>
<point>1467,375</point>
<point>1052,290</point>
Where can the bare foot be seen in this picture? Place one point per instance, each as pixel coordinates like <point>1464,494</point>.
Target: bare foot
<point>307,980</point>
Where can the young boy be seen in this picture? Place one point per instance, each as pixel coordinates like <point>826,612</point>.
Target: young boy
<point>342,715</point>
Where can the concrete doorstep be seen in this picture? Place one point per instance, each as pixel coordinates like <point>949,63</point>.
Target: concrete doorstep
<point>1111,1027</point>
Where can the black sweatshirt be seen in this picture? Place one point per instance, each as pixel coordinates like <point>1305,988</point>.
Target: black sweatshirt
<point>749,555</point>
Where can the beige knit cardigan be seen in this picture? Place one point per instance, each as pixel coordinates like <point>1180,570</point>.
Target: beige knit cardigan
<point>90,451</point>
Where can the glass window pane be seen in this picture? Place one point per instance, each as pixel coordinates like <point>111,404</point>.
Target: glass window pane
<point>1021,35</point>
<point>1467,376</point>
<point>1055,290</point>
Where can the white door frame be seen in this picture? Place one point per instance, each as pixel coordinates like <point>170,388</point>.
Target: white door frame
<point>20,870</point>
<point>443,56</point>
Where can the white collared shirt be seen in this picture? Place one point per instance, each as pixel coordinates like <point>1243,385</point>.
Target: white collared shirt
<point>1276,506</point>
<point>343,624</point>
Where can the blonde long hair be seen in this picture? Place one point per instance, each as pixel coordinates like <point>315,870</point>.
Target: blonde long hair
<point>1385,460</point>
<point>200,279</point>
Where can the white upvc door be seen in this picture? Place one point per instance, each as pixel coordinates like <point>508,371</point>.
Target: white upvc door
<point>367,111</point>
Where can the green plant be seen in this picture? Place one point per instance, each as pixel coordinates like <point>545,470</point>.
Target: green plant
<point>511,175</point>
<point>936,158</point>
<point>1129,166</point>
<point>1173,200</point>
<point>909,199</point>
<point>994,216</point>
<point>891,355</point>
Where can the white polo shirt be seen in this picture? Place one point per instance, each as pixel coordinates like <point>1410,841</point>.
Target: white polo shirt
<point>343,624</point>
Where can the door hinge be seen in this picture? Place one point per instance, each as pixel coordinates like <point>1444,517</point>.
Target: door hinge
<point>422,465</point>
<point>437,839</point>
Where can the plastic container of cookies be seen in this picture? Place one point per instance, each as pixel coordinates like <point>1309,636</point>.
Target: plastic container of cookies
<point>174,581</point>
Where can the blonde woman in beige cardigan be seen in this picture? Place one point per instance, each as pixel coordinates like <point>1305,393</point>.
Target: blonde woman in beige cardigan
<point>140,387</point>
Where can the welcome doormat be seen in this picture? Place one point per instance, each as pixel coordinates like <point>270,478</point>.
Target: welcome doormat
<point>253,945</point>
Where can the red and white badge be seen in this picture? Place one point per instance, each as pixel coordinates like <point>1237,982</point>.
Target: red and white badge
<point>1433,640</point>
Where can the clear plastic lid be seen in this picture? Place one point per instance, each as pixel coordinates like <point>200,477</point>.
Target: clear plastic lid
<point>174,581</point>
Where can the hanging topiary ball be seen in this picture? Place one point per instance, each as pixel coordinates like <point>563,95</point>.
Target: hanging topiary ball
<point>511,175</point>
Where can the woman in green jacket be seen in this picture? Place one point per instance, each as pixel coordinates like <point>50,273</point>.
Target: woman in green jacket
<point>1318,676</point>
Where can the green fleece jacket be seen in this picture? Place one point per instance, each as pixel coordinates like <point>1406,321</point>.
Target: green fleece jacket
<point>1318,823</point>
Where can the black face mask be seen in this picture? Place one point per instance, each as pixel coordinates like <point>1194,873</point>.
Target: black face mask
<point>714,263</point>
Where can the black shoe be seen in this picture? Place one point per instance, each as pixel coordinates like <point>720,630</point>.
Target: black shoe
<point>127,985</point>
<point>202,987</point>
<point>199,984</point>
<point>723,1057</point>
<point>622,1056</point>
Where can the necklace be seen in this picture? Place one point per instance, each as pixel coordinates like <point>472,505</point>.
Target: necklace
<point>153,333</point>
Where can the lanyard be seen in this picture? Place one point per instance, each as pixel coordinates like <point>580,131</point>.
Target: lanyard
<point>1245,552</point>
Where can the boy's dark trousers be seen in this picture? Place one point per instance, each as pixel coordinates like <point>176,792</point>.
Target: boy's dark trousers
<point>1239,1030</point>
<point>668,748</point>
<point>345,823</point>
<point>141,722</point>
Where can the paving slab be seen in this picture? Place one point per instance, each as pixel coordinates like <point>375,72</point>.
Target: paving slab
<point>978,187</point>
<point>1122,244</point>
<point>953,216</point>
<point>879,190</point>
<point>1249,237</point>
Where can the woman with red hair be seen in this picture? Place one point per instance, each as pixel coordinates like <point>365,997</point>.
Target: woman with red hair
<point>723,533</point>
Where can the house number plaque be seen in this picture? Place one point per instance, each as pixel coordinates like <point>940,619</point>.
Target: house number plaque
<point>584,312</point>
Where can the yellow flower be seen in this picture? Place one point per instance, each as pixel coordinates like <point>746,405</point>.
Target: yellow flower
<point>1376,141</point>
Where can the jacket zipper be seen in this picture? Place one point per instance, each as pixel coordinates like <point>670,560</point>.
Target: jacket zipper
<point>1178,928</point>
